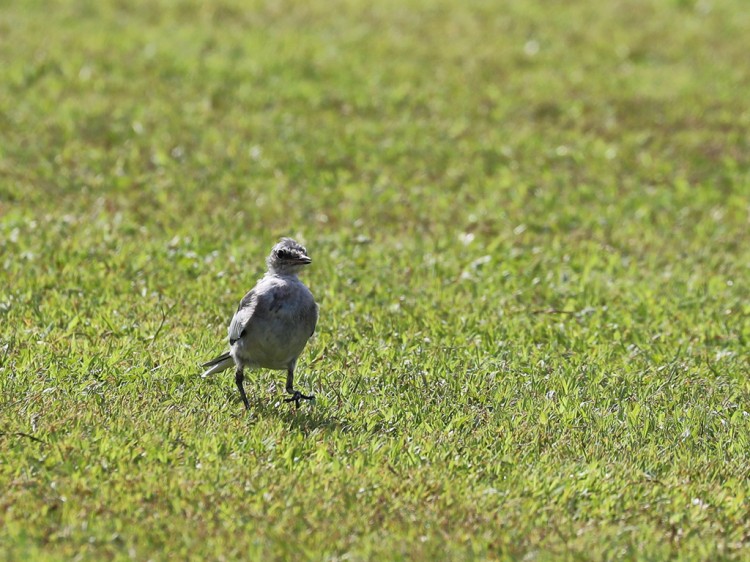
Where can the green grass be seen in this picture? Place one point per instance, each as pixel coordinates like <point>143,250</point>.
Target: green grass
<point>529,225</point>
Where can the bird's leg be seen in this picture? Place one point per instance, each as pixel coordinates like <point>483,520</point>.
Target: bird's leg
<point>296,395</point>
<point>239,377</point>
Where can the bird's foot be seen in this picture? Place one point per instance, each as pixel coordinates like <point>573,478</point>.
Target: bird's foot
<point>297,397</point>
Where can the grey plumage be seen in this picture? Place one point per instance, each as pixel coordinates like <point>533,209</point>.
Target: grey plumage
<point>273,321</point>
<point>218,364</point>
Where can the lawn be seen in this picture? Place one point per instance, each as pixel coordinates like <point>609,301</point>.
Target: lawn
<point>529,224</point>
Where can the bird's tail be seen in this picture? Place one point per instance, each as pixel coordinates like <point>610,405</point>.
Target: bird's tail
<point>217,365</point>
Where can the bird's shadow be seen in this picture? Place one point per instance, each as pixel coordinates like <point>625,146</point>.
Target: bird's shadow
<point>307,417</point>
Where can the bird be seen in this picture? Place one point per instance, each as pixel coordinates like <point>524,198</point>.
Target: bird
<point>273,322</point>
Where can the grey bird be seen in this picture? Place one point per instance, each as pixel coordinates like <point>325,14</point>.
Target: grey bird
<point>273,322</point>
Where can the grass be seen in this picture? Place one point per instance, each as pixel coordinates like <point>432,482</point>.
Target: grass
<point>529,225</point>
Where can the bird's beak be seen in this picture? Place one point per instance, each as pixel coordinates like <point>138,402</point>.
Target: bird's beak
<point>304,260</point>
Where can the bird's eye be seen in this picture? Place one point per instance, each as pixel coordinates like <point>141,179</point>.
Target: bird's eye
<point>284,254</point>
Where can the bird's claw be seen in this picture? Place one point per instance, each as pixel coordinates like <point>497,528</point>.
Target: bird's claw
<point>297,397</point>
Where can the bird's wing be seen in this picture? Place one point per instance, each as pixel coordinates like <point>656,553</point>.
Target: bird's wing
<point>244,313</point>
<point>314,319</point>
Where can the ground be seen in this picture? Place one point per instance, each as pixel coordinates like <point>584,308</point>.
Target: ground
<point>529,225</point>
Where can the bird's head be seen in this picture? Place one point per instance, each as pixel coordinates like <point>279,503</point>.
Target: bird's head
<point>287,257</point>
